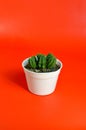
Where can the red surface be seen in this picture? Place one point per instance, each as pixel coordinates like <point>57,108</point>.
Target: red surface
<point>30,27</point>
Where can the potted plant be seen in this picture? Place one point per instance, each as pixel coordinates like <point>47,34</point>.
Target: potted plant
<point>41,73</point>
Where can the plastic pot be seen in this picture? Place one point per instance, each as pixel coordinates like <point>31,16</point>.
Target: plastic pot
<point>41,83</point>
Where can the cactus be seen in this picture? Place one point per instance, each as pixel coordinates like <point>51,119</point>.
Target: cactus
<point>32,62</point>
<point>42,63</point>
<point>51,61</point>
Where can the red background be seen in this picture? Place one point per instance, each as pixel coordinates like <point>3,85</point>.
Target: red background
<point>28,27</point>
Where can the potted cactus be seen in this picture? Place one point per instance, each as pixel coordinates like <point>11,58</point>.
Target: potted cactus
<point>41,73</point>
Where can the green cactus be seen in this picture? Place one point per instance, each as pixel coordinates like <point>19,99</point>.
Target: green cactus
<point>51,61</point>
<point>32,62</point>
<point>42,63</point>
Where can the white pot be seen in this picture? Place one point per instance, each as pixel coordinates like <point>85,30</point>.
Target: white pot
<point>41,83</point>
